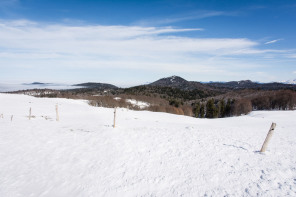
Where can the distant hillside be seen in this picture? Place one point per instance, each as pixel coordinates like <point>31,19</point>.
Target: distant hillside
<point>97,85</point>
<point>180,83</point>
<point>170,92</point>
<point>173,81</point>
<point>179,96</point>
<point>247,84</point>
<point>37,83</point>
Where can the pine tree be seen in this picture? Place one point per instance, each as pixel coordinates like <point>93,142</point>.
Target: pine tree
<point>211,111</point>
<point>216,111</point>
<point>202,111</point>
<point>228,108</point>
<point>196,110</point>
<point>222,108</point>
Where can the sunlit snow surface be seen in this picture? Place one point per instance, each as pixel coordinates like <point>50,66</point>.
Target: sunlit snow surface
<point>140,104</point>
<point>147,154</point>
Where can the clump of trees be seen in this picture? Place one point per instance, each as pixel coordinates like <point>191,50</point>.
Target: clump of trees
<point>169,92</point>
<point>221,108</point>
<point>268,100</point>
<point>280,100</point>
<point>211,109</point>
<point>241,106</point>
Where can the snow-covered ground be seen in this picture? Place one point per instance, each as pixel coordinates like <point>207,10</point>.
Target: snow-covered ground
<point>147,154</point>
<point>292,81</point>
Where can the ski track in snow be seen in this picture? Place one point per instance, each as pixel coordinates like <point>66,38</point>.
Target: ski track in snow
<point>147,154</point>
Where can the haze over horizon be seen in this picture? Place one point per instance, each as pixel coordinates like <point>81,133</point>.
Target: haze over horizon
<point>134,42</point>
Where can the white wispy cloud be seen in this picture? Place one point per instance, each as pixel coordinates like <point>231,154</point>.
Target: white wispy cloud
<point>200,14</point>
<point>35,46</point>
<point>273,41</point>
<point>127,41</point>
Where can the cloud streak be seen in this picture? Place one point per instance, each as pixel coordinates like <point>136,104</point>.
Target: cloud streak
<point>273,41</point>
<point>37,47</point>
<point>200,14</point>
<point>28,36</point>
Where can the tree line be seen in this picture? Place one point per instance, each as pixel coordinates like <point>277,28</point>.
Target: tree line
<point>269,100</point>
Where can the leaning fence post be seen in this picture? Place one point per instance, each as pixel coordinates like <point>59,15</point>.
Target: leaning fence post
<point>57,113</point>
<point>268,137</point>
<point>114,117</point>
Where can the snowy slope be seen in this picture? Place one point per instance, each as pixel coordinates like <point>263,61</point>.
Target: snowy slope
<point>147,154</point>
<point>290,81</point>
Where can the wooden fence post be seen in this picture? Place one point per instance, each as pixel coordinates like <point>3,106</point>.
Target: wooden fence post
<point>30,113</point>
<point>57,113</point>
<point>11,118</point>
<point>268,137</point>
<point>1,116</point>
<point>114,117</point>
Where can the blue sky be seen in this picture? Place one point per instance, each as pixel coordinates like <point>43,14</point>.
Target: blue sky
<point>134,42</point>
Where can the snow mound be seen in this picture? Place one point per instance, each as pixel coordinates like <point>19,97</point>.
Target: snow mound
<point>147,154</point>
<point>140,104</point>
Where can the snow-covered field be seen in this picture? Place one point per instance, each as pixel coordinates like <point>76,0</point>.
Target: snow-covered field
<point>147,154</point>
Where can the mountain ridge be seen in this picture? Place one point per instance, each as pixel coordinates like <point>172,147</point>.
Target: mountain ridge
<point>185,85</point>
<point>179,82</point>
<point>96,85</point>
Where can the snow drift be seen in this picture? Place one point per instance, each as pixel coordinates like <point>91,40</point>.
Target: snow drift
<point>147,154</point>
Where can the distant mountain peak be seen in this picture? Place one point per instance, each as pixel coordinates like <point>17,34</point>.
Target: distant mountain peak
<point>172,78</point>
<point>169,81</point>
<point>175,78</point>
<point>177,82</point>
<point>242,82</point>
